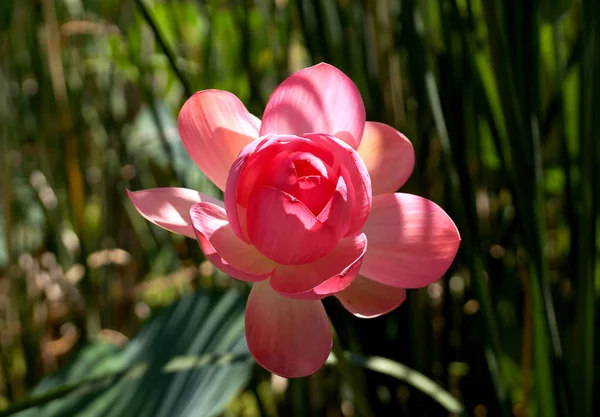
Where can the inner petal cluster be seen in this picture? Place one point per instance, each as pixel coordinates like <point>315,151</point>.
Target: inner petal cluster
<point>312,182</point>
<point>293,197</point>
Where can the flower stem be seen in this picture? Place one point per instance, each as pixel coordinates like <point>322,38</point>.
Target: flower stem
<point>351,377</point>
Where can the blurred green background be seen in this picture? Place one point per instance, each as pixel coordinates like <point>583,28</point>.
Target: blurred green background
<point>104,314</point>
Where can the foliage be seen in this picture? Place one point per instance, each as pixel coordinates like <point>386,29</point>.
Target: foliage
<point>174,367</point>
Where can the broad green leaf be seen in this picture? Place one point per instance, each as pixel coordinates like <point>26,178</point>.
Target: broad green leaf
<point>168,370</point>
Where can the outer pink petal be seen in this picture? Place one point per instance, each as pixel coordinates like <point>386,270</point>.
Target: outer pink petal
<point>214,126</point>
<point>290,338</point>
<point>325,276</point>
<point>169,207</point>
<point>388,155</point>
<point>285,230</point>
<point>316,99</point>
<point>412,241</point>
<point>366,298</point>
<point>224,249</point>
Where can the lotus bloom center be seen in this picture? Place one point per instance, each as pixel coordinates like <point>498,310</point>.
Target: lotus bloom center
<point>315,188</point>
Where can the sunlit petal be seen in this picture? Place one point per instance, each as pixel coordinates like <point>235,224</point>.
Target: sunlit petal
<point>388,155</point>
<point>224,249</point>
<point>290,338</point>
<point>412,241</point>
<point>366,298</point>
<point>214,126</point>
<point>169,207</point>
<point>319,99</point>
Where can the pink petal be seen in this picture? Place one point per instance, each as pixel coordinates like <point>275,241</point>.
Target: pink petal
<point>285,230</point>
<point>366,298</point>
<point>313,182</point>
<point>259,169</point>
<point>388,155</point>
<point>337,214</point>
<point>307,164</point>
<point>355,175</point>
<point>327,275</point>
<point>412,241</point>
<point>214,126</point>
<point>313,190</point>
<point>290,338</point>
<point>224,249</point>
<point>169,207</point>
<point>235,214</point>
<point>320,99</point>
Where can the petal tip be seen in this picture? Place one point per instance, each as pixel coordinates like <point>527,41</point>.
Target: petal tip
<point>368,299</point>
<point>291,374</point>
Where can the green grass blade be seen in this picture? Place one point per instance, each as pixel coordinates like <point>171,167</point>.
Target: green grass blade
<point>164,47</point>
<point>586,251</point>
<point>405,374</point>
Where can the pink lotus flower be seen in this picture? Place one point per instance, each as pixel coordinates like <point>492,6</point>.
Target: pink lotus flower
<point>306,189</point>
